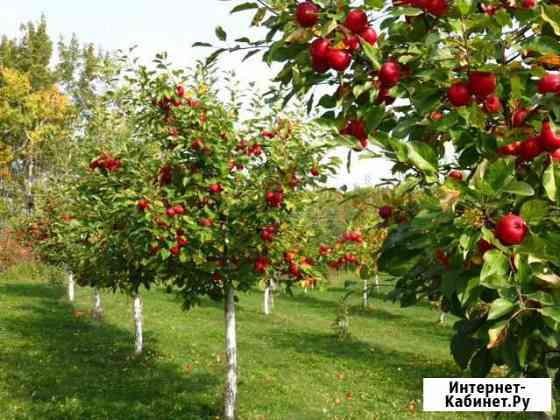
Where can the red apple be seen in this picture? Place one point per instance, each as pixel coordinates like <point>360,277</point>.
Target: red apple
<point>319,48</point>
<point>510,149</point>
<point>261,264</point>
<point>170,212</point>
<point>549,140</point>
<point>180,91</point>
<point>352,42</point>
<point>356,20</point>
<point>175,250</point>
<point>482,83</point>
<point>179,209</point>
<point>530,149</point>
<point>385,212</point>
<point>550,83</point>
<point>369,35</point>
<point>511,229</point>
<point>459,94</point>
<point>315,171</point>
<point>519,116</point>
<point>436,7</point>
<point>456,175</point>
<point>339,60</point>
<point>436,116</point>
<point>319,66</point>
<point>143,204</point>
<point>529,4</point>
<point>492,104</point>
<point>197,144</point>
<point>307,14</point>
<point>206,222</point>
<point>555,155</point>
<point>390,73</point>
<point>484,246</point>
<point>215,188</point>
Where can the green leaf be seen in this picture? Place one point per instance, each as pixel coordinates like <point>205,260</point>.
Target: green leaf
<point>464,6</point>
<point>495,270</point>
<point>552,312</point>
<point>533,211</point>
<point>372,54</point>
<point>220,33</point>
<point>549,182</point>
<point>201,44</point>
<point>244,6</point>
<point>499,308</point>
<point>423,157</point>
<point>374,4</point>
<point>519,188</point>
<point>551,15</point>
<point>462,349</point>
<point>481,363</point>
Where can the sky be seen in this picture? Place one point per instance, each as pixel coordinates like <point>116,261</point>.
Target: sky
<point>154,26</point>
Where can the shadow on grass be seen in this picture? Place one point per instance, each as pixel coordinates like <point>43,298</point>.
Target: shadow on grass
<point>76,368</point>
<point>412,367</point>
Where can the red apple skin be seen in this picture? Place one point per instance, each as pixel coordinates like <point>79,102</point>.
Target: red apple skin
<point>529,4</point>
<point>549,140</point>
<point>307,14</point>
<point>436,7</point>
<point>339,60</point>
<point>484,245</point>
<point>511,149</point>
<point>352,42</point>
<point>456,175</point>
<point>492,104</point>
<point>436,116</point>
<point>511,229</point>
<point>369,35</point>
<point>180,91</point>
<point>170,212</point>
<point>319,66</point>
<point>519,116</point>
<point>459,94</point>
<point>390,73</point>
<point>550,83</point>
<point>385,212</point>
<point>179,210</point>
<point>319,49</point>
<point>555,155</point>
<point>356,21</point>
<point>482,83</point>
<point>530,149</point>
<point>143,204</point>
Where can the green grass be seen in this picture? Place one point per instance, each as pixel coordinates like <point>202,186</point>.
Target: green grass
<point>54,365</point>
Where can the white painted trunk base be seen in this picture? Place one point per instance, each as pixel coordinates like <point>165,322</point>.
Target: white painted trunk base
<point>137,310</point>
<point>71,287</point>
<point>97,308</point>
<point>266,303</point>
<point>230,396</point>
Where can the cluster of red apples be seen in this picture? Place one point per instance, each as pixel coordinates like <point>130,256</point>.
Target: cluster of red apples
<point>106,161</point>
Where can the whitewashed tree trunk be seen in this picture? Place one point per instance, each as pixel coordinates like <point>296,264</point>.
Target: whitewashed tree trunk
<point>97,308</point>
<point>365,294</point>
<point>71,287</point>
<point>442,317</point>
<point>230,396</point>
<point>271,295</point>
<point>377,285</point>
<point>266,303</point>
<point>29,187</point>
<point>137,309</point>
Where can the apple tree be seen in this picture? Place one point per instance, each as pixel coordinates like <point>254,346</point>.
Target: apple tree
<point>466,91</point>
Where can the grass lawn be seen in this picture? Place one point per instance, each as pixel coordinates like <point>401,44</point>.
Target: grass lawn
<point>56,365</point>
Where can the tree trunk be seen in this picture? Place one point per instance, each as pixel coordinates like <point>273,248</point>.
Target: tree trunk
<point>97,308</point>
<point>267,293</point>
<point>29,204</point>
<point>231,355</point>
<point>71,285</point>
<point>377,286</point>
<point>137,310</point>
<point>271,295</point>
<point>365,294</point>
<point>442,317</point>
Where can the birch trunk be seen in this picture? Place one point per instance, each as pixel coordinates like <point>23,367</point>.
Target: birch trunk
<point>137,309</point>
<point>365,294</point>
<point>71,287</point>
<point>230,396</point>
<point>97,308</point>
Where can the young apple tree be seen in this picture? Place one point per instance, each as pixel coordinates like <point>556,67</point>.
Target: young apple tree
<point>463,93</point>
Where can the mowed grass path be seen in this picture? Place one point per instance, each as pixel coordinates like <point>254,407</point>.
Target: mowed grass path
<point>54,365</point>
